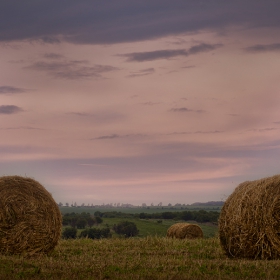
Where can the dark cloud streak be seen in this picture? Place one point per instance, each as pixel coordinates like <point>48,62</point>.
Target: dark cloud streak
<point>10,109</point>
<point>196,132</point>
<point>263,48</point>
<point>167,54</point>
<point>140,73</point>
<point>71,69</point>
<point>203,48</point>
<point>153,55</point>
<point>150,103</point>
<point>115,136</point>
<point>96,22</point>
<point>11,90</point>
<point>185,110</point>
<point>53,56</point>
<point>81,114</point>
<point>112,136</point>
<point>22,128</point>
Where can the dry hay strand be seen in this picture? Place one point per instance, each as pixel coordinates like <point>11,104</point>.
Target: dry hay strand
<point>30,220</point>
<point>185,230</point>
<point>249,223</point>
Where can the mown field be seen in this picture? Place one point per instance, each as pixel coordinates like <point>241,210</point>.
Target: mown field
<point>136,258</point>
<point>150,255</point>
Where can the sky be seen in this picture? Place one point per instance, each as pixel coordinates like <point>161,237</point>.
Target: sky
<point>140,101</point>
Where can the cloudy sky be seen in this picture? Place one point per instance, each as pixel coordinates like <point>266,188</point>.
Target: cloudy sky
<point>140,101</point>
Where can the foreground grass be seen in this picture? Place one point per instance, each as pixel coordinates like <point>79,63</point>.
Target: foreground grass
<point>136,258</point>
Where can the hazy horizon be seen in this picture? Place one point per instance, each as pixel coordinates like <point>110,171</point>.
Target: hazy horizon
<point>127,205</point>
<point>140,101</point>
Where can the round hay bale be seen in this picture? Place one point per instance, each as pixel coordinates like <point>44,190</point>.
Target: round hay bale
<point>30,220</point>
<point>249,223</point>
<point>185,231</point>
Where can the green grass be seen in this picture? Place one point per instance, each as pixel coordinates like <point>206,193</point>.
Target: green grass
<point>154,228</point>
<point>137,258</point>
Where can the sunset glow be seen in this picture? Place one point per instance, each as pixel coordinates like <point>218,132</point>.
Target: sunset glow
<point>140,101</point>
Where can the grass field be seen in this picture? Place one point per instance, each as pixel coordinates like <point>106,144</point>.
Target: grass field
<point>151,227</point>
<point>136,258</point>
<point>149,256</point>
<point>154,228</point>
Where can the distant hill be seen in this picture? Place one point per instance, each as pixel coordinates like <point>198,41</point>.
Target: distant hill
<point>209,203</point>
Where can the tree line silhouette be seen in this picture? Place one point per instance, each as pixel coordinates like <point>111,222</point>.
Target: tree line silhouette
<point>200,216</point>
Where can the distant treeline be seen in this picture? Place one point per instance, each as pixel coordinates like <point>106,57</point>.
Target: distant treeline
<point>81,220</point>
<point>200,216</point>
<point>209,203</point>
<point>86,220</point>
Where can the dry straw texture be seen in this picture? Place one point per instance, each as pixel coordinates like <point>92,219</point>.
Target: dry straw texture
<point>30,220</point>
<point>185,230</point>
<point>249,224</point>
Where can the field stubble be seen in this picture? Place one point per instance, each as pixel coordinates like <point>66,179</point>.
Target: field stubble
<point>137,258</point>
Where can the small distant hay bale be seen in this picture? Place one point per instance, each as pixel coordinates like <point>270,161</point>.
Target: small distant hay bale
<point>185,231</point>
<point>249,223</point>
<point>30,220</point>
